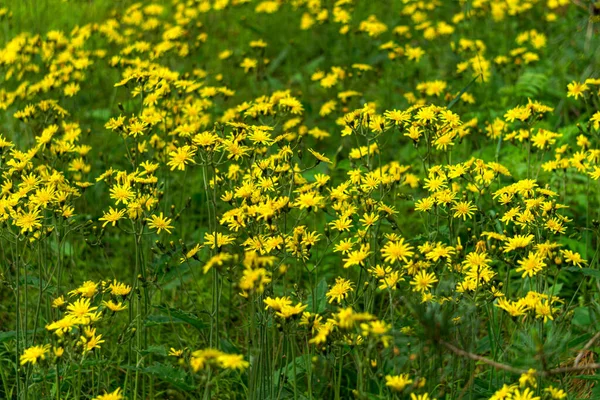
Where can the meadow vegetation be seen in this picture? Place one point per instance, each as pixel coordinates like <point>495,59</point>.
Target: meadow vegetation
<point>299,199</point>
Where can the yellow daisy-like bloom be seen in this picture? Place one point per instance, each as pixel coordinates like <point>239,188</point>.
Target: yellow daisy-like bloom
<point>391,281</point>
<point>175,353</point>
<point>290,311</point>
<point>90,343</point>
<point>576,89</point>
<point>112,216</point>
<point>28,221</point>
<point>320,156</point>
<point>423,281</point>
<point>424,396</point>
<point>114,307</point>
<point>159,222</point>
<point>395,251</point>
<point>517,242</point>
<point>81,308</point>
<point>180,157</point>
<point>88,289</point>
<point>248,64</point>
<point>116,395</point>
<point>58,351</point>
<point>309,200</point>
<point>64,325</point>
<point>191,253</point>
<point>119,289</point>
<point>232,361</point>
<point>573,257</point>
<point>340,290</point>
<point>526,394</point>
<point>398,382</point>
<point>357,257</point>
<point>531,265</point>
<point>463,209</point>
<point>369,220</point>
<point>557,394</point>
<point>34,353</point>
<point>59,302</point>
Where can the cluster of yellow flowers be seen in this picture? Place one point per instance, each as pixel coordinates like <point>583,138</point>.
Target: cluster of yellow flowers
<point>80,318</point>
<point>316,235</point>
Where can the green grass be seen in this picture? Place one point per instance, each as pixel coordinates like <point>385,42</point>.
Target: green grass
<point>461,342</point>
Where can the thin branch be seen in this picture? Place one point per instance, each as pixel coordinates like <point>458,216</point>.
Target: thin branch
<point>497,365</point>
<point>485,360</point>
<point>586,347</point>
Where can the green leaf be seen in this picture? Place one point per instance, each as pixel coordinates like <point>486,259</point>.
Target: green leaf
<point>252,27</point>
<point>320,296</point>
<point>289,369</point>
<point>154,320</point>
<point>554,290</point>
<point>177,275</point>
<point>530,84</point>
<point>101,114</point>
<point>228,347</point>
<point>457,98</point>
<point>312,65</point>
<point>34,281</point>
<point>181,316</point>
<point>581,316</point>
<point>166,373</point>
<point>273,65</point>
<point>156,350</point>
<point>586,271</point>
<point>10,335</point>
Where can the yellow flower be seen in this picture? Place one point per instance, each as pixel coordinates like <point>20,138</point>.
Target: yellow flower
<point>576,89</point>
<point>88,289</point>
<point>309,200</point>
<point>357,257</point>
<point>232,361</point>
<point>425,204</point>
<point>114,307</point>
<point>59,302</point>
<point>320,156</point>
<point>248,64</point>
<point>423,281</point>
<point>369,220</point>
<point>398,382</point>
<point>531,265</point>
<point>116,395</point>
<point>58,351</point>
<point>191,253</point>
<point>395,251</point>
<point>463,209</point>
<point>557,394</point>
<point>340,290</point>
<point>517,242</point>
<point>112,216</point>
<point>159,222</point>
<point>119,289</point>
<point>90,343</point>
<point>573,258</point>
<point>175,353</point>
<point>81,308</point>
<point>390,281</point>
<point>180,157</point>
<point>28,221</point>
<point>34,353</point>
<point>122,193</point>
<point>217,241</point>
<point>64,325</point>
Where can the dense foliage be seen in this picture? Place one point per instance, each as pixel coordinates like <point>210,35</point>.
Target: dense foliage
<point>307,199</point>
